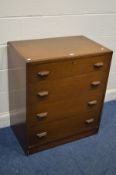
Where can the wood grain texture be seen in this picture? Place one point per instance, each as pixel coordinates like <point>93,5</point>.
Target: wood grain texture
<point>62,129</point>
<point>17,96</point>
<point>71,87</point>
<point>72,67</point>
<point>58,96</point>
<point>61,109</point>
<point>64,47</point>
<point>36,148</point>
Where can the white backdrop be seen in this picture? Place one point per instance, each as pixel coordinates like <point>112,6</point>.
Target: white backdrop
<point>28,19</point>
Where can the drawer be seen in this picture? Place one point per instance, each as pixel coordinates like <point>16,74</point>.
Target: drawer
<point>61,69</point>
<point>48,112</point>
<point>66,88</point>
<point>61,129</point>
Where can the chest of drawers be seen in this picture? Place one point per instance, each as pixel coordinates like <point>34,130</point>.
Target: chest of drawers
<point>56,89</point>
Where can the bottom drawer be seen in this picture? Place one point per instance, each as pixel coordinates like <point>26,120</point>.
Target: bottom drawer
<point>61,129</point>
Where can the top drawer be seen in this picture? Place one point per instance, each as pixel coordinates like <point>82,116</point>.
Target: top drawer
<point>61,69</point>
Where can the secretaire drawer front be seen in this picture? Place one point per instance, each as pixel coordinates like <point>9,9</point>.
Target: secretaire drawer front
<point>62,129</point>
<point>66,88</point>
<point>47,112</point>
<point>62,69</point>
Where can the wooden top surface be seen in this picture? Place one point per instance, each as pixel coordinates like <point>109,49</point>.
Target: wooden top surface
<point>62,47</point>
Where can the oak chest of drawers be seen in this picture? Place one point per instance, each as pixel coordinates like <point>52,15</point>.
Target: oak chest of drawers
<point>56,89</point>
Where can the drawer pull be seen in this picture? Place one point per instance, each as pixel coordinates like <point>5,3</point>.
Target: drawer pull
<point>43,73</point>
<point>92,103</point>
<point>43,93</point>
<point>95,83</point>
<point>41,135</point>
<point>89,121</point>
<point>42,115</point>
<point>99,65</point>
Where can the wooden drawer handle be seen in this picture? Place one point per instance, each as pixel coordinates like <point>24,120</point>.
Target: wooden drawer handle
<point>95,83</point>
<point>43,73</point>
<point>43,93</point>
<point>92,103</point>
<point>42,115</point>
<point>89,121</point>
<point>41,135</point>
<point>99,65</point>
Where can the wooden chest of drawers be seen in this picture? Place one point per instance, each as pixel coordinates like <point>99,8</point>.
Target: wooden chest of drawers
<point>56,89</point>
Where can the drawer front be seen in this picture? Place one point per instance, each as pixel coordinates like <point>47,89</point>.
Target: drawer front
<point>62,69</point>
<point>66,88</point>
<point>47,112</point>
<point>61,129</point>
